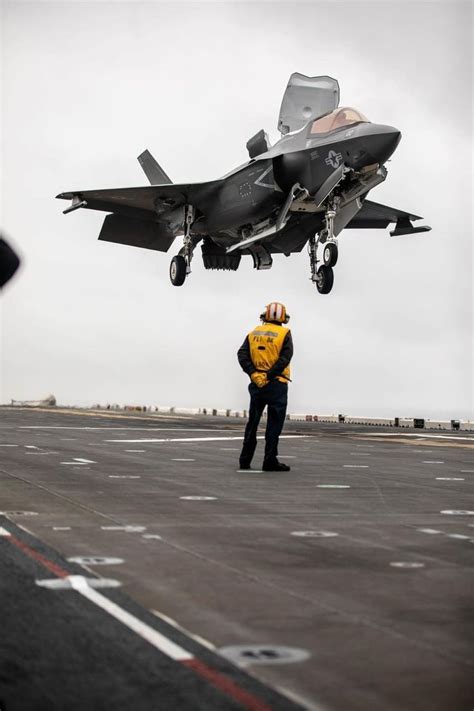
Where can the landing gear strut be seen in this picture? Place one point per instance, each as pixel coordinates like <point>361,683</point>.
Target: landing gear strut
<point>180,265</point>
<point>323,276</point>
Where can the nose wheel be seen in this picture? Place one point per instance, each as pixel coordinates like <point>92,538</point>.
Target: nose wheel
<point>178,270</point>
<point>323,275</point>
<point>330,254</point>
<point>324,279</point>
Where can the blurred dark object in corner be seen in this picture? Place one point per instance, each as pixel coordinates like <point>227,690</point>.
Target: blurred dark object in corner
<point>9,262</point>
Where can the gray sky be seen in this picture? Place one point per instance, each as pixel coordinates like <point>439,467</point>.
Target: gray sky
<point>88,85</point>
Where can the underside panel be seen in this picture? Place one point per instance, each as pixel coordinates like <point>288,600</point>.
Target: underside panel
<point>136,233</point>
<point>297,232</point>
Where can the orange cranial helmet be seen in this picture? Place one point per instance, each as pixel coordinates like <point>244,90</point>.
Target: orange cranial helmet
<point>275,312</point>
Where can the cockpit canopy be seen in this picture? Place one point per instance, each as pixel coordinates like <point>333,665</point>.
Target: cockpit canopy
<point>343,116</point>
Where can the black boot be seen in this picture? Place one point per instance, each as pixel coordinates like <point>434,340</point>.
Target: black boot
<point>275,466</point>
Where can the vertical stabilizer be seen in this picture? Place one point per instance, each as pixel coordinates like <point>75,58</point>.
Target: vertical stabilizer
<point>152,169</point>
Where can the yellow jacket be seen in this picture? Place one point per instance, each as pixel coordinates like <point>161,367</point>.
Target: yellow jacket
<point>266,343</point>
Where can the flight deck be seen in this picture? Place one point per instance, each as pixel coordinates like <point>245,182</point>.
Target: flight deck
<point>139,568</point>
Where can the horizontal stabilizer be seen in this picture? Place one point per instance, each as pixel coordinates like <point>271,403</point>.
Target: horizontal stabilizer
<point>146,234</point>
<point>153,170</point>
<point>375,216</point>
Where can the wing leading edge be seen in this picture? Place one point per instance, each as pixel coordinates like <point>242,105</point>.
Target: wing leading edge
<point>149,217</point>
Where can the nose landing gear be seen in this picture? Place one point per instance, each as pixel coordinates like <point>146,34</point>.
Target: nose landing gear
<point>180,265</point>
<point>323,276</point>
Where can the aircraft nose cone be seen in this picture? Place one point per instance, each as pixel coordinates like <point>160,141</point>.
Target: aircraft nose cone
<point>382,142</point>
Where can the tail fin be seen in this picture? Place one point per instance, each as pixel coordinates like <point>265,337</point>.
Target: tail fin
<point>153,171</point>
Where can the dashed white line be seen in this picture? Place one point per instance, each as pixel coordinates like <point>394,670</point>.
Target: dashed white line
<point>183,460</point>
<point>4,532</point>
<point>449,478</point>
<point>356,466</point>
<point>429,530</point>
<point>333,486</point>
<point>432,461</point>
<point>124,476</point>
<point>406,564</point>
<point>127,529</point>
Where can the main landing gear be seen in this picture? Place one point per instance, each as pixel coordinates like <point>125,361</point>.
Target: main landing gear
<point>180,265</point>
<point>323,276</point>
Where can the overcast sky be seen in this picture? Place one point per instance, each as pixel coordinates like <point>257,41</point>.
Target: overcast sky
<point>88,85</point>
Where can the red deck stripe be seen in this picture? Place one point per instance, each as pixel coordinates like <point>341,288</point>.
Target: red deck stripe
<point>221,682</point>
<point>247,700</point>
<point>52,567</point>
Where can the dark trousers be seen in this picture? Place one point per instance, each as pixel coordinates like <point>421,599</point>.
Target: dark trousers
<point>275,397</point>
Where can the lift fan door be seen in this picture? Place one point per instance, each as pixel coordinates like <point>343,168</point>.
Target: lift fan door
<point>306,98</point>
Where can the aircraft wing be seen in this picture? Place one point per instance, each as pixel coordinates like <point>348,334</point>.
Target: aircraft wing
<point>148,217</point>
<point>152,199</point>
<point>372,215</point>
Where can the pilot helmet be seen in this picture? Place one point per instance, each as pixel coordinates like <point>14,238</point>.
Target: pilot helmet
<point>275,311</point>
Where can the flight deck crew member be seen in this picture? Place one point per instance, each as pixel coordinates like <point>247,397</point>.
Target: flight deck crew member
<point>265,356</point>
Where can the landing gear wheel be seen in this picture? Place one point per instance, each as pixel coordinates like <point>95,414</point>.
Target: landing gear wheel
<point>325,279</point>
<point>178,270</point>
<point>330,254</point>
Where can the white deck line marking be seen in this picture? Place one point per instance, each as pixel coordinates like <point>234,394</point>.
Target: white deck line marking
<point>124,476</point>
<point>409,434</point>
<point>127,529</point>
<point>432,461</point>
<point>333,486</point>
<point>84,461</point>
<point>4,532</point>
<point>197,637</point>
<point>449,478</point>
<point>61,528</point>
<point>406,564</point>
<point>30,446</point>
<point>77,464</point>
<point>196,439</point>
<point>155,638</point>
<point>135,450</point>
<point>9,445</point>
<point>250,471</point>
<point>138,429</point>
<point>356,466</point>
<point>428,530</point>
<point>183,460</point>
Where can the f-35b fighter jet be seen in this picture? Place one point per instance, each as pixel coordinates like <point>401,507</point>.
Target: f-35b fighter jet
<point>304,190</point>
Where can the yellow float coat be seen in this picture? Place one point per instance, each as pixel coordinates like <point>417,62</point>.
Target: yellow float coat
<point>266,342</point>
